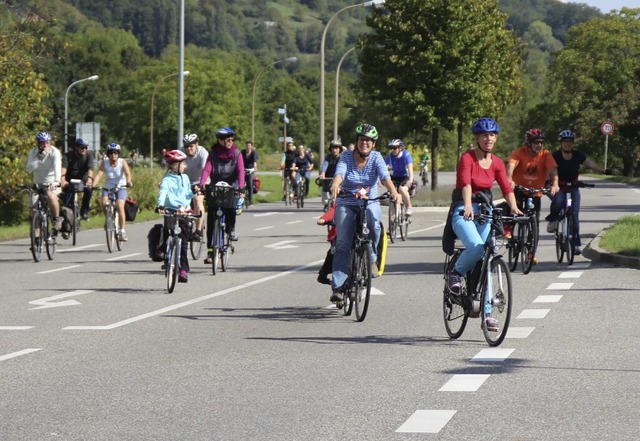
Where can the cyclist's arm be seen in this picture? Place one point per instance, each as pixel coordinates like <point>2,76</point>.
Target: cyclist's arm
<point>552,176</point>
<point>127,173</point>
<point>510,167</point>
<point>99,174</point>
<point>594,166</point>
<point>240,169</point>
<point>335,185</point>
<point>391,187</point>
<point>410,169</point>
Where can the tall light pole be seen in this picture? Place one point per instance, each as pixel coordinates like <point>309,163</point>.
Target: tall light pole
<point>253,95</point>
<point>181,79</point>
<point>324,36</point>
<point>153,96</point>
<point>66,107</point>
<point>335,108</point>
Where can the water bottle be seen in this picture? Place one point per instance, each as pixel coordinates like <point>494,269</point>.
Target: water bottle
<point>529,203</point>
<point>239,205</point>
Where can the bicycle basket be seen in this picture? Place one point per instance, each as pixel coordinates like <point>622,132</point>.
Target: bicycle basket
<point>77,185</point>
<point>223,197</point>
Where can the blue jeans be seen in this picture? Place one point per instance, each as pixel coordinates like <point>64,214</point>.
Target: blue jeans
<point>473,235</point>
<point>345,220</point>
<point>558,201</point>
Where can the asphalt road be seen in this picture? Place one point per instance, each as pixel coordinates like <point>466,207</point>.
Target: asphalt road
<point>92,347</point>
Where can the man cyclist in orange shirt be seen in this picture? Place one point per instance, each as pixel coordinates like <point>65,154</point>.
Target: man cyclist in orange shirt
<point>532,166</point>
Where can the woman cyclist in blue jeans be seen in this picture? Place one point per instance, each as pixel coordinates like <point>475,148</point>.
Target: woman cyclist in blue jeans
<point>357,170</point>
<point>476,173</point>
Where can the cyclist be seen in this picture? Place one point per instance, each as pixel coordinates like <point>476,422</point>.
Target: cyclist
<point>250,157</point>
<point>328,168</point>
<point>476,173</point>
<point>286,164</point>
<point>78,163</point>
<point>357,170</point>
<point>569,162</point>
<point>400,164</point>
<point>424,165</point>
<point>117,174</point>
<point>176,194</point>
<point>302,166</point>
<point>195,162</point>
<point>45,162</point>
<point>224,164</point>
<point>532,165</point>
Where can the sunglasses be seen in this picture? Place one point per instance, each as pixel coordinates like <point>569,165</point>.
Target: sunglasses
<point>395,147</point>
<point>537,142</point>
<point>83,147</point>
<point>114,152</point>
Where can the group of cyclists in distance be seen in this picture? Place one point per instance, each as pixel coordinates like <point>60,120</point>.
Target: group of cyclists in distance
<point>530,172</point>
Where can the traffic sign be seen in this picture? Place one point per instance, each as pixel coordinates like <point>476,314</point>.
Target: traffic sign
<point>607,128</point>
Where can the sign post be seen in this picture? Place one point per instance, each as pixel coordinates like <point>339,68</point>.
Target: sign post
<point>607,129</point>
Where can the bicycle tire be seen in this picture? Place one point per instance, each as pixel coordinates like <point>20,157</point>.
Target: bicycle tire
<point>224,253</point>
<point>287,192</point>
<point>362,282</point>
<point>110,229</point>
<point>195,246</point>
<point>215,238</point>
<point>569,249</point>
<point>514,246</point>
<point>301,191</point>
<point>116,223</point>
<point>403,223</point>
<point>454,309</point>
<point>424,179</point>
<point>393,222</point>
<point>501,289</point>
<point>36,240</point>
<point>529,245</point>
<point>76,221</point>
<point>559,236</point>
<point>50,245</point>
<point>174,265</point>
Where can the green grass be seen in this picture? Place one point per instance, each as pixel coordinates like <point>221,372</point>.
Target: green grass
<point>623,237</point>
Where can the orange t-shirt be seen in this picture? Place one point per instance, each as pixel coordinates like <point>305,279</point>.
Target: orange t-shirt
<point>531,171</point>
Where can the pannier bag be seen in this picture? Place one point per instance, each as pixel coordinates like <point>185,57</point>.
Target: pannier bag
<point>256,185</point>
<point>156,243</point>
<point>131,209</point>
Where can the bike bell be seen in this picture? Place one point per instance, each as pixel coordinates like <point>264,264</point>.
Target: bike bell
<point>529,203</point>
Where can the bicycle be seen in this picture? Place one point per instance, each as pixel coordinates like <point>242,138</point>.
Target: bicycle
<point>224,196</point>
<point>248,179</point>
<point>325,186</point>
<point>288,187</point>
<point>524,241</point>
<point>77,186</point>
<point>357,290</point>
<point>398,221</point>
<point>486,289</point>
<point>196,245</point>
<point>301,190</point>
<point>112,218</point>
<point>40,226</point>
<point>174,246</point>
<point>424,173</point>
<point>565,234</point>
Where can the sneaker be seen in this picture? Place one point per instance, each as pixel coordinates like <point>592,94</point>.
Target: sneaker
<point>551,226</point>
<point>576,250</point>
<point>85,216</point>
<point>409,211</point>
<point>52,239</point>
<point>492,324</point>
<point>233,235</point>
<point>183,278</point>
<point>322,278</point>
<point>508,232</point>
<point>374,270</point>
<point>209,259</point>
<point>336,295</point>
<point>123,236</point>
<point>65,236</point>
<point>197,236</point>
<point>454,282</point>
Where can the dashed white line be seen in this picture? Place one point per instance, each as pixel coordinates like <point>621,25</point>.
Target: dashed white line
<point>293,222</point>
<point>533,314</point>
<point>519,332</point>
<point>15,328</point>
<point>559,286</point>
<point>570,274</point>
<point>123,257</point>
<point>264,228</point>
<point>464,383</point>
<point>59,269</point>
<point>555,298</point>
<point>427,421</point>
<point>18,354</point>
<point>493,354</point>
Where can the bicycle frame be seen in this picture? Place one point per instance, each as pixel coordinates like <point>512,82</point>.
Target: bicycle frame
<point>565,233</point>
<point>173,263</point>
<point>40,221</point>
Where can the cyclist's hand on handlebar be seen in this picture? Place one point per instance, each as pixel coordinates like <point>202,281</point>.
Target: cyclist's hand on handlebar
<point>516,211</point>
<point>160,209</point>
<point>129,184</point>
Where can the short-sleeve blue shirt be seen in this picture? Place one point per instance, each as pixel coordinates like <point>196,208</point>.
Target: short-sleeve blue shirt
<point>354,178</point>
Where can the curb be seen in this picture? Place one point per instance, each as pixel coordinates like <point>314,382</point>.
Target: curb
<point>597,254</point>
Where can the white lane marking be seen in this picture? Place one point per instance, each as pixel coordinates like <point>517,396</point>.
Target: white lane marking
<point>427,421</point>
<point>283,245</point>
<point>519,332</point>
<point>493,354</point>
<point>193,301</point>
<point>19,353</point>
<point>270,213</point>
<point>80,248</point>
<point>15,328</point>
<point>570,274</point>
<point>48,302</point>
<point>263,228</point>
<point>293,222</point>
<point>533,314</point>
<point>464,383</point>
<point>376,292</point>
<point>548,299</point>
<point>560,286</point>
<point>58,269</point>
<point>580,265</point>
<point>427,229</point>
<point>122,257</point>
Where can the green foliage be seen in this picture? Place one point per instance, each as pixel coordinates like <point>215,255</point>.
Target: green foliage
<point>623,237</point>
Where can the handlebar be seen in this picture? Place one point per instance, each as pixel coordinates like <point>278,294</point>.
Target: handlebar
<point>361,195</point>
<point>577,184</point>
<point>543,190</point>
<point>180,214</point>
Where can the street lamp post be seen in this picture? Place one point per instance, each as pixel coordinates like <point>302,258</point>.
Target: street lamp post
<point>324,36</point>
<point>253,95</point>
<point>66,107</point>
<point>153,96</point>
<point>335,108</point>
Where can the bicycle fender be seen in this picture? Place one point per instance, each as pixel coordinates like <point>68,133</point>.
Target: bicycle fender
<point>382,250</point>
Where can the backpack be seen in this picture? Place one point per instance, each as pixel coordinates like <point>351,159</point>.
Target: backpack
<point>156,243</point>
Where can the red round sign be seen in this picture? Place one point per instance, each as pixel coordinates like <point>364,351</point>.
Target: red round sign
<point>607,128</point>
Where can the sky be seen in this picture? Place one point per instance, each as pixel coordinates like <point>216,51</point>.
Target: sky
<point>608,5</point>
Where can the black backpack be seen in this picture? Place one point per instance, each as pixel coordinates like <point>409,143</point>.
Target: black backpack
<point>156,243</point>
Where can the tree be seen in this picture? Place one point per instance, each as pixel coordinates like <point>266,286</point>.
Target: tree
<point>436,63</point>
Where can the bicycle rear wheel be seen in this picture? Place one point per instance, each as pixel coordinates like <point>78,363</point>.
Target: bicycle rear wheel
<point>453,305</point>
<point>195,246</point>
<point>49,244</point>
<point>560,237</point>
<point>530,238</point>
<point>116,223</point>
<point>224,253</point>
<point>173,267</point>
<point>362,281</point>
<point>403,223</point>
<point>37,236</point>
<point>515,243</point>
<point>393,222</point>
<point>570,239</point>
<point>498,287</point>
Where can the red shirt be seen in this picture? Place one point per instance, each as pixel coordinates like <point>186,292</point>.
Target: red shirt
<point>469,172</point>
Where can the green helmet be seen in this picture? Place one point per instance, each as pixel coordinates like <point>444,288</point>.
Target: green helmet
<point>367,130</point>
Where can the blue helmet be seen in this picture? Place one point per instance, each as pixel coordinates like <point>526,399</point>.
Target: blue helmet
<point>43,136</point>
<point>566,134</point>
<point>113,147</point>
<point>225,132</point>
<point>485,125</point>
<point>82,142</point>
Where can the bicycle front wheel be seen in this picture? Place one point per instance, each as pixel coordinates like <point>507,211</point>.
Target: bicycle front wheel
<point>496,302</point>
<point>530,238</point>
<point>37,236</point>
<point>569,248</point>
<point>215,238</point>
<point>173,264</point>
<point>49,243</point>
<point>75,224</point>
<point>453,305</point>
<point>393,222</point>
<point>287,192</point>
<point>224,253</point>
<point>514,246</point>
<point>362,281</point>
<point>403,223</point>
<point>110,229</point>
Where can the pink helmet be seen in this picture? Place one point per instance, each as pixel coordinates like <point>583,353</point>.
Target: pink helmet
<point>172,156</point>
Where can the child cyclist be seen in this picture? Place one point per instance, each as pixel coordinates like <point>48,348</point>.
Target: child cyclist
<point>175,195</point>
